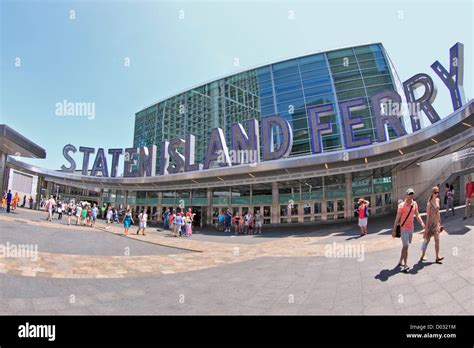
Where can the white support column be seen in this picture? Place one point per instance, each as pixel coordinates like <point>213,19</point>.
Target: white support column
<point>209,207</point>
<point>275,204</point>
<point>348,207</point>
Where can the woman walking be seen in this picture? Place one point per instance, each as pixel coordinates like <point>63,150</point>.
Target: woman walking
<point>128,220</point>
<point>450,201</point>
<point>237,223</point>
<point>258,222</point>
<point>189,223</point>
<point>84,215</point>
<point>109,216</point>
<point>70,209</point>
<point>433,224</point>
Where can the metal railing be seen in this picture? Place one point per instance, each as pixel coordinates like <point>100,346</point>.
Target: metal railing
<point>447,174</point>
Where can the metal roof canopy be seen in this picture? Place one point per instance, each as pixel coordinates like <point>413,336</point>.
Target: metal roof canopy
<point>450,134</point>
<point>14,144</point>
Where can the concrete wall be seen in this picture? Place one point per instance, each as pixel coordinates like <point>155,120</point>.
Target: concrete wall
<point>28,191</point>
<point>428,174</point>
<point>424,176</point>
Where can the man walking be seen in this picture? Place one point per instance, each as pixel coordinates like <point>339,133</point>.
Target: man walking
<point>407,211</point>
<point>469,197</point>
<point>9,200</point>
<point>228,221</point>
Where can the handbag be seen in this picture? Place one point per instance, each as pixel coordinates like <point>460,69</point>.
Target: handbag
<point>398,231</point>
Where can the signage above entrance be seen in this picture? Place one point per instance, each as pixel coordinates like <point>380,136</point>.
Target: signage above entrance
<point>178,155</point>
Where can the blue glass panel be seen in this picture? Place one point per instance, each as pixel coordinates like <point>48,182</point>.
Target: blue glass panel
<point>266,101</point>
<point>267,110</point>
<point>289,96</point>
<point>284,65</point>
<point>288,87</point>
<point>313,66</point>
<point>311,59</point>
<point>320,99</point>
<point>285,72</point>
<point>263,78</point>
<point>287,79</point>
<point>266,84</point>
<point>314,73</point>
<point>297,104</point>
<point>317,82</point>
<point>263,70</point>
<point>266,92</point>
<point>323,89</point>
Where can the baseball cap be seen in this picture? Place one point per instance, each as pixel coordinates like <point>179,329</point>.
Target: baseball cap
<point>410,190</point>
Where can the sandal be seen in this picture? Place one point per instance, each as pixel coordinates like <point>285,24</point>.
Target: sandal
<point>405,269</point>
<point>439,260</point>
<point>423,259</point>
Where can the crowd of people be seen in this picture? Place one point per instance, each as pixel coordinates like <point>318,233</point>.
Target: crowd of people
<point>82,213</point>
<point>11,202</point>
<point>179,224</point>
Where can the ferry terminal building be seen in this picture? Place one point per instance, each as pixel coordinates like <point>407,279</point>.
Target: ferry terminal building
<point>298,189</point>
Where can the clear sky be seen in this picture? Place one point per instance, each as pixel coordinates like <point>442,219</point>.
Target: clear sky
<point>77,51</point>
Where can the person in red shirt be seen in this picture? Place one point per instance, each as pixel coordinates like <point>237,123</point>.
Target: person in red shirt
<point>362,211</point>
<point>469,197</point>
<point>407,211</point>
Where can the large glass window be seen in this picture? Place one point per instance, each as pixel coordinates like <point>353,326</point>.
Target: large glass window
<point>261,193</point>
<point>240,194</point>
<point>221,195</point>
<point>140,197</point>
<point>132,197</point>
<point>382,180</point>
<point>152,197</point>
<point>317,208</point>
<point>330,206</point>
<point>169,197</point>
<point>334,186</point>
<point>289,191</point>
<point>362,183</point>
<point>312,188</point>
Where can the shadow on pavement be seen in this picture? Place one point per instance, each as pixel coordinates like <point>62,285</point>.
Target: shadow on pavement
<point>387,273</point>
<point>419,266</point>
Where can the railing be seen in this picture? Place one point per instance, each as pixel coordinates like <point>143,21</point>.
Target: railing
<point>446,175</point>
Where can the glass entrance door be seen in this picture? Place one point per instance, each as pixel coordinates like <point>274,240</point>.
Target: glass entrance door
<point>265,212</point>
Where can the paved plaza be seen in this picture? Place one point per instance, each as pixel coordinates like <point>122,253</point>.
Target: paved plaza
<point>288,270</point>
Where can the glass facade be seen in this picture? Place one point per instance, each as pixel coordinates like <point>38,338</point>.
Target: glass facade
<point>285,88</point>
<point>293,201</point>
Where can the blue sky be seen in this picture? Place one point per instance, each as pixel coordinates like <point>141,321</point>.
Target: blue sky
<point>83,59</point>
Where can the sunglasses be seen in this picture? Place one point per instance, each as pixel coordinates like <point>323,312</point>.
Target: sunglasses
<point>411,194</point>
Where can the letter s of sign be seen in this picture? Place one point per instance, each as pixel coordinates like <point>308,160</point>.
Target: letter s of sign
<point>66,149</point>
